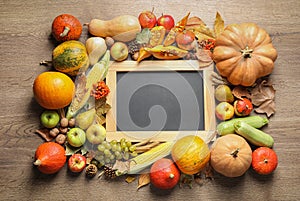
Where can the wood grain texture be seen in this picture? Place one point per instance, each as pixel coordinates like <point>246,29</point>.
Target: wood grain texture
<point>25,41</point>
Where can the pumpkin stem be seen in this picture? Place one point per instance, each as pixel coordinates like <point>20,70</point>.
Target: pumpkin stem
<point>37,162</point>
<point>235,152</point>
<point>45,62</point>
<point>171,176</point>
<point>247,52</point>
<point>65,32</point>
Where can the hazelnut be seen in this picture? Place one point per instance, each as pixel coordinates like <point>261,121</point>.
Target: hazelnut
<point>64,122</point>
<point>54,132</point>
<point>72,122</point>
<point>63,130</point>
<point>61,139</point>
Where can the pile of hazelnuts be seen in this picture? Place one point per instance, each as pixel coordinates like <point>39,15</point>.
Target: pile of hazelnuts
<point>59,132</point>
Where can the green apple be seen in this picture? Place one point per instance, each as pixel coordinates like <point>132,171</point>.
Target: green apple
<point>49,118</point>
<point>119,51</point>
<point>224,93</point>
<point>224,111</point>
<point>96,134</point>
<point>76,137</point>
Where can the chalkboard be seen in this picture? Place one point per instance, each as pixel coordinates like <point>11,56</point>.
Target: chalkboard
<point>160,100</point>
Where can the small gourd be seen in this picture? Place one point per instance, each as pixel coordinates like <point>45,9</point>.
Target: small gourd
<point>50,157</point>
<point>53,90</point>
<point>70,57</point>
<point>191,154</point>
<point>243,53</point>
<point>121,28</point>
<point>66,27</point>
<point>231,155</point>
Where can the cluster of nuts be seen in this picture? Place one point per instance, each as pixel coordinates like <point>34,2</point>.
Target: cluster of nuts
<point>59,133</point>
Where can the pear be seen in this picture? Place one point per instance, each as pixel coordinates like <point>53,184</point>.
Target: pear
<point>85,119</point>
<point>223,93</point>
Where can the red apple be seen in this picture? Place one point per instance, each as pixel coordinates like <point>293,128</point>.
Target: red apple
<point>76,163</point>
<point>185,40</point>
<point>242,107</point>
<point>167,21</point>
<point>147,19</point>
<point>224,111</point>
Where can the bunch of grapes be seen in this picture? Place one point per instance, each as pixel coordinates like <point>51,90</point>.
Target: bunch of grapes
<point>109,152</point>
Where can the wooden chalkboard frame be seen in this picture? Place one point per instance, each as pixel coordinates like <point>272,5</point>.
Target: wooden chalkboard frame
<point>147,66</point>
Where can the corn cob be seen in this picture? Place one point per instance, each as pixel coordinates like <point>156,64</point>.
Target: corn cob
<point>97,73</point>
<point>145,159</point>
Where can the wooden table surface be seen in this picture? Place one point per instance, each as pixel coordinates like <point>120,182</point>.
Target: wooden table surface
<point>24,36</point>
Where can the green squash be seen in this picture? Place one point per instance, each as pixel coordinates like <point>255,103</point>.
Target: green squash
<point>70,57</point>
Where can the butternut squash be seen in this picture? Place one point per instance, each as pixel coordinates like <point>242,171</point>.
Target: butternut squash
<point>121,28</point>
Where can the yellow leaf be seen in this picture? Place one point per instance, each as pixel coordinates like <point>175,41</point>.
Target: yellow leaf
<point>218,25</point>
<point>144,179</point>
<point>129,179</point>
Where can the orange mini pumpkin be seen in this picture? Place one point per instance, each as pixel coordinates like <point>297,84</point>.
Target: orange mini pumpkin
<point>53,90</point>
<point>50,157</point>
<point>66,27</point>
<point>243,53</point>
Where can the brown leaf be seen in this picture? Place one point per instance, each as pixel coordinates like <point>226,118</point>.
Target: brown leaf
<point>129,179</point>
<point>263,96</point>
<point>203,55</point>
<point>121,167</point>
<point>218,25</point>
<point>193,22</point>
<point>144,179</point>
<point>241,92</point>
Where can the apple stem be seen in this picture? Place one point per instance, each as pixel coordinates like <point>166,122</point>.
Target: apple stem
<point>152,9</point>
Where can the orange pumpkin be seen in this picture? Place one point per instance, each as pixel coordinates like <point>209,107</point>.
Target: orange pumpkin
<point>243,53</point>
<point>53,90</point>
<point>190,154</point>
<point>66,27</point>
<point>231,155</point>
<point>50,157</point>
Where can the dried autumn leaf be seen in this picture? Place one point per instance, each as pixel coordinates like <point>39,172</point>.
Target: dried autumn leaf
<point>121,167</point>
<point>203,55</point>
<point>144,36</point>
<point>241,92</point>
<point>263,96</point>
<point>218,25</point>
<point>144,179</point>
<point>129,179</point>
<point>193,22</point>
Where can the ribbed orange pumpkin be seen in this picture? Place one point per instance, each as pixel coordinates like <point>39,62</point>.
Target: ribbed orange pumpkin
<point>53,90</point>
<point>191,154</point>
<point>243,53</point>
<point>50,157</point>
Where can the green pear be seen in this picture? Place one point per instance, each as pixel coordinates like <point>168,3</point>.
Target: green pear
<point>223,93</point>
<point>85,119</point>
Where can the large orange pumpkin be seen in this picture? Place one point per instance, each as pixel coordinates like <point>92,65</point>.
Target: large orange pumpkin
<point>243,53</point>
<point>231,155</point>
<point>53,90</point>
<point>50,157</point>
<point>190,154</point>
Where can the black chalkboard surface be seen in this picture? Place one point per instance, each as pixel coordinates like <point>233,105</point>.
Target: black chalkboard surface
<point>160,100</point>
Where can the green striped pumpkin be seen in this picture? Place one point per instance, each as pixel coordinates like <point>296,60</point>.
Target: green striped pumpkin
<point>70,57</point>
